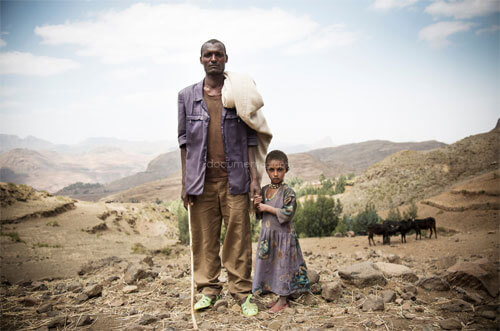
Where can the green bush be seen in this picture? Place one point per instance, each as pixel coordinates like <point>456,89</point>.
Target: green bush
<point>317,218</point>
<point>411,212</point>
<point>340,186</point>
<point>394,215</point>
<point>367,217</point>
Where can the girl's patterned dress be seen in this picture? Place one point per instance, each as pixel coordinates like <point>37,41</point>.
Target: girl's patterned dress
<point>279,265</point>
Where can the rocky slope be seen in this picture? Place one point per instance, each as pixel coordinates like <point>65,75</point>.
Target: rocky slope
<point>408,175</point>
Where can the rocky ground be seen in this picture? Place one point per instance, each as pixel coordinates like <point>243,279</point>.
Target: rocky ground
<point>118,267</point>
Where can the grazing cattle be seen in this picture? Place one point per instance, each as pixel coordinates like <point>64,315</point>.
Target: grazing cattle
<point>380,229</point>
<point>404,227</point>
<point>424,224</point>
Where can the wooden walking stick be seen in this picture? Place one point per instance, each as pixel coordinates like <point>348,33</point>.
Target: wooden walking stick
<point>195,326</point>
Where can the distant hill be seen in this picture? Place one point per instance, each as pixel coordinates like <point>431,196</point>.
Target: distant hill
<point>408,175</point>
<point>9,142</point>
<point>160,167</point>
<point>51,171</point>
<point>356,158</point>
<point>308,166</point>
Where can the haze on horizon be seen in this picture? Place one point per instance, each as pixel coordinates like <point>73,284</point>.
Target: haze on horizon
<point>399,70</point>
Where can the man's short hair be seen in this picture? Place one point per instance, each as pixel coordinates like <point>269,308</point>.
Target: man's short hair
<point>213,41</point>
<point>277,155</point>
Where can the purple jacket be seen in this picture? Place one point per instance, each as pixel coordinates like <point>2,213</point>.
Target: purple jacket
<point>193,131</point>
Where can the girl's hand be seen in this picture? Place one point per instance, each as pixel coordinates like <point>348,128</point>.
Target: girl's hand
<point>257,199</point>
<point>262,207</point>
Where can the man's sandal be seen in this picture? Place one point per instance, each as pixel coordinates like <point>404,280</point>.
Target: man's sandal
<point>203,303</point>
<point>248,308</point>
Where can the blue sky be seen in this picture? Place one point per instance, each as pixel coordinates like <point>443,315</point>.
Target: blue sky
<point>402,70</point>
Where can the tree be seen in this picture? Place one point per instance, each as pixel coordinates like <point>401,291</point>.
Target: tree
<point>340,186</point>
<point>394,215</point>
<point>317,218</point>
<point>367,217</point>
<point>411,212</point>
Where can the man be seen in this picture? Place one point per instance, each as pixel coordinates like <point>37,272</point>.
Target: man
<point>218,171</point>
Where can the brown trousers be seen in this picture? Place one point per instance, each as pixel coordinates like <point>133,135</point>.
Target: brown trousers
<point>207,213</point>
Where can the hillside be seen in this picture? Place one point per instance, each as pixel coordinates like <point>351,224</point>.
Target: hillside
<point>356,158</point>
<point>308,166</point>
<point>51,171</point>
<point>117,266</point>
<point>160,167</point>
<point>408,175</point>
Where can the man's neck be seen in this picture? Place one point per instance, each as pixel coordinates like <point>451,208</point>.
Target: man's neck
<point>214,81</point>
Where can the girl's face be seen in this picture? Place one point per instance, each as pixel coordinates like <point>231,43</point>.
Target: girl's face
<point>276,171</point>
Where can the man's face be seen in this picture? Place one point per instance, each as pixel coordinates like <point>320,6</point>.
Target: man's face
<point>213,58</point>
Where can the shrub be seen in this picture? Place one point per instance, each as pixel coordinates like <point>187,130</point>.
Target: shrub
<point>340,186</point>
<point>364,219</point>
<point>411,212</point>
<point>394,215</point>
<point>317,218</point>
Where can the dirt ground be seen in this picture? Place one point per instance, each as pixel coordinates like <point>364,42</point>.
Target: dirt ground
<point>53,249</point>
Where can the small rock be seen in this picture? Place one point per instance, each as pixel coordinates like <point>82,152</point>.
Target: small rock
<point>134,273</point>
<point>147,319</point>
<point>450,324</point>
<point>29,301</point>
<point>373,304</point>
<point>112,279</point>
<point>313,276</point>
<point>60,321</point>
<point>399,301</point>
<point>93,291</point>
<point>457,305</point>
<point>410,288</point>
<point>407,296</point>
<point>316,288</point>
<point>489,314</point>
<point>39,286</point>
<point>388,296</point>
<point>180,274</point>
<point>362,274</point>
<point>221,309</point>
<point>162,316</point>
<point>236,308</point>
<point>130,289</point>
<point>331,291</point>
<point>434,284</point>
<point>396,270</point>
<point>393,258</point>
<point>406,305</point>
<point>274,325</point>
<point>148,260</point>
<point>82,297</point>
<point>419,309</point>
<point>117,303</point>
<point>75,287</point>
<point>220,303</point>
<point>84,320</point>
<point>409,316</point>
<point>350,234</point>
<point>337,235</point>
<point>132,312</point>
<point>44,308</point>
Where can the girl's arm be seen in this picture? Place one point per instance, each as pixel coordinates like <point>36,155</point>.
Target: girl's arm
<point>286,213</point>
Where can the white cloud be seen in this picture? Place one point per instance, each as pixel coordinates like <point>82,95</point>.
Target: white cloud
<point>126,73</point>
<point>171,33</point>
<point>2,43</point>
<point>437,34</point>
<point>28,64</point>
<point>491,29</point>
<point>325,38</point>
<point>464,8</point>
<point>391,4</point>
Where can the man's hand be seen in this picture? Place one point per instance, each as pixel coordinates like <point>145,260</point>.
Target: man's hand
<point>187,199</point>
<point>254,188</point>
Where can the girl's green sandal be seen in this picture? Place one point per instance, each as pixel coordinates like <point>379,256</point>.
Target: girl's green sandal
<point>248,308</point>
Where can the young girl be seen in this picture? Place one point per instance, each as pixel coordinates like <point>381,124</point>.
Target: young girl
<point>279,265</point>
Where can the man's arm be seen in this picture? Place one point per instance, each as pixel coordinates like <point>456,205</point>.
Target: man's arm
<point>181,130</point>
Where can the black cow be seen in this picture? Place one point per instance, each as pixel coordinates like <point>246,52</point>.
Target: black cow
<point>423,224</point>
<point>381,229</point>
<point>405,226</point>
